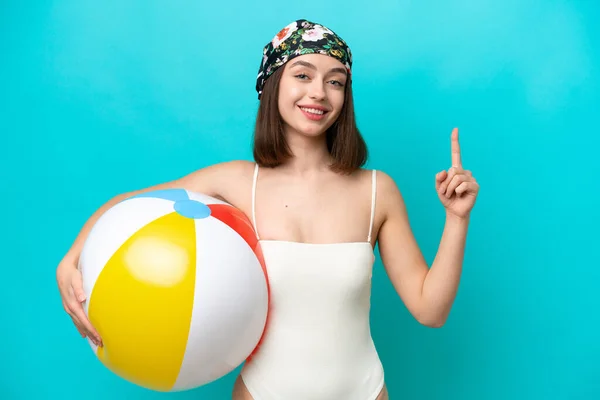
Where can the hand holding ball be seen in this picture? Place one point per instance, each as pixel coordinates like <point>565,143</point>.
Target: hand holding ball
<point>176,287</point>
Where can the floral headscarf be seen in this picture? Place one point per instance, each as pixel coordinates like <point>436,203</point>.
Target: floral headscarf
<point>298,38</point>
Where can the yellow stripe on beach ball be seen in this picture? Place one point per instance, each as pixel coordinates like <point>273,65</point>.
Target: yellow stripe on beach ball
<point>142,302</point>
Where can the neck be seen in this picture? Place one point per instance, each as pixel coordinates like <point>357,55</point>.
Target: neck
<point>309,154</point>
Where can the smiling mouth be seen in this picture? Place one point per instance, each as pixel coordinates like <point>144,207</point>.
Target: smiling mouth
<point>314,111</point>
<point>313,114</point>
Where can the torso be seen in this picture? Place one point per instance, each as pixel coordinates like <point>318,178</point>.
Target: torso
<point>328,208</point>
<point>314,234</point>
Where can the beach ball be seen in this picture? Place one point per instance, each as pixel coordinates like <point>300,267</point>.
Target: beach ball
<point>176,287</point>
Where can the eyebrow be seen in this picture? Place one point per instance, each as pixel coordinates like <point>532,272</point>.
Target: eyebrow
<point>311,66</point>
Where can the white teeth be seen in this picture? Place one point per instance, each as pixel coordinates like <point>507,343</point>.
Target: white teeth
<point>312,111</point>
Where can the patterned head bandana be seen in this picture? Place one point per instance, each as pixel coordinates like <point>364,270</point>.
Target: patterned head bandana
<point>299,38</point>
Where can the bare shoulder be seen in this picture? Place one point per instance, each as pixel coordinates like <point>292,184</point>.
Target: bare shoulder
<point>390,203</point>
<point>387,189</point>
<point>226,181</point>
<point>387,192</point>
<point>222,180</point>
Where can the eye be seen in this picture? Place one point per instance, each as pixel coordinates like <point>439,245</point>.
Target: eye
<point>337,83</point>
<point>301,76</point>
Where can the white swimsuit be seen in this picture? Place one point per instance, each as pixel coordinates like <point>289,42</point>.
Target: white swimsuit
<point>317,344</point>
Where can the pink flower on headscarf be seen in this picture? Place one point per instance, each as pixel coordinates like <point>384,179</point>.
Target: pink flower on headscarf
<point>316,33</point>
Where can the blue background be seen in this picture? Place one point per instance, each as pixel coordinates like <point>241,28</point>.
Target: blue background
<point>102,97</point>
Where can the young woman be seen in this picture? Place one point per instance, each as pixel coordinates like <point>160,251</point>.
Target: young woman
<point>318,216</point>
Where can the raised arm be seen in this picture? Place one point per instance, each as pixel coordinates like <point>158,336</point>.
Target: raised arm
<point>428,293</point>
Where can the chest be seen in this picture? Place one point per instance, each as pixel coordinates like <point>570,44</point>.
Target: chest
<point>313,212</point>
<point>312,272</point>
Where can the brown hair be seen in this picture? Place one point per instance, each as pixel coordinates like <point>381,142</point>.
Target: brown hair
<point>344,141</point>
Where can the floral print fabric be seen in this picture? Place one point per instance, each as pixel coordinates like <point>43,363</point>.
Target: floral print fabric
<point>298,38</point>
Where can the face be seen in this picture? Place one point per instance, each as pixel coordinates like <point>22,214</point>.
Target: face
<point>311,93</point>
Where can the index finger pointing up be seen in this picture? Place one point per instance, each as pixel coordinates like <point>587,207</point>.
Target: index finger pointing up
<point>455,147</point>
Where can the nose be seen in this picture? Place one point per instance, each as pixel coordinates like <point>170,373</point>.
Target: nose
<point>317,90</point>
